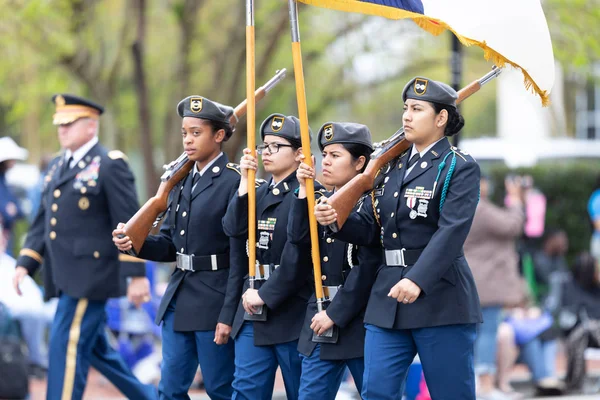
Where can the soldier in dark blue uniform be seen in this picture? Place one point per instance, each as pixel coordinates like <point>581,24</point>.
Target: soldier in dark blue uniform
<point>86,192</point>
<point>284,281</point>
<point>346,148</point>
<point>424,298</point>
<point>198,307</point>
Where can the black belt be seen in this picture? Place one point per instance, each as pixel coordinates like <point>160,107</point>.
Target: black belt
<point>402,257</point>
<point>190,262</point>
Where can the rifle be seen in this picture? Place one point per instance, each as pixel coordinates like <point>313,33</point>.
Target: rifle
<point>151,213</point>
<point>343,200</point>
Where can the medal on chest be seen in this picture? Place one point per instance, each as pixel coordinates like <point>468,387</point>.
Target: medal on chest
<point>265,237</point>
<point>419,197</point>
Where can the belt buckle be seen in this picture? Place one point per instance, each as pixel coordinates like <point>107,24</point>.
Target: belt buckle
<point>395,257</point>
<point>185,262</point>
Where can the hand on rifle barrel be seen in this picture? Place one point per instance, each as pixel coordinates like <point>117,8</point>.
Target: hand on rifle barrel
<point>251,301</point>
<point>324,212</point>
<point>321,322</point>
<point>303,173</point>
<point>122,241</point>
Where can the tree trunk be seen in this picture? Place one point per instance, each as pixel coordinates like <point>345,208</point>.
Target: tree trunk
<point>141,89</point>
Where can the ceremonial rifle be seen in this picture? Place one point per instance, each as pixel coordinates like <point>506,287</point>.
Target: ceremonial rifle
<point>151,213</point>
<point>344,200</point>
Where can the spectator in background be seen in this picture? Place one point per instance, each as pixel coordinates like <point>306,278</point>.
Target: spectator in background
<point>10,211</point>
<point>29,310</point>
<point>594,212</point>
<point>582,298</point>
<point>549,261</point>
<point>535,210</point>
<point>518,341</point>
<point>34,194</point>
<point>491,252</point>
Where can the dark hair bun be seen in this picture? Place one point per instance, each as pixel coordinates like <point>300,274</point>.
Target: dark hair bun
<point>455,122</point>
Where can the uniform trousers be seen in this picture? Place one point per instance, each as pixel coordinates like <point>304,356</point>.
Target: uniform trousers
<point>321,379</point>
<point>446,354</point>
<point>255,367</point>
<point>183,351</point>
<point>77,341</point>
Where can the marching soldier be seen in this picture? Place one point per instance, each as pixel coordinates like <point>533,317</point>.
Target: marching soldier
<point>424,298</point>
<point>198,307</point>
<point>262,346</point>
<point>86,191</point>
<point>346,148</point>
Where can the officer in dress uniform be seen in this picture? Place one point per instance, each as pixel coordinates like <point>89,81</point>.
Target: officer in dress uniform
<point>198,307</point>
<point>346,148</point>
<point>86,191</point>
<point>424,298</point>
<point>283,286</point>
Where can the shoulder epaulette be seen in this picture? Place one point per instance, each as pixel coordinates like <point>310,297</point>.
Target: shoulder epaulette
<point>116,155</point>
<point>456,151</point>
<point>234,167</point>
<point>320,193</point>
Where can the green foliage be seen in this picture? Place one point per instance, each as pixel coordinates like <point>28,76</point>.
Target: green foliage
<point>198,47</point>
<point>567,187</point>
<point>575,28</point>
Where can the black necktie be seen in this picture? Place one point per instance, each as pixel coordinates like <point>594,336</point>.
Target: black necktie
<point>195,180</point>
<point>66,166</point>
<point>413,160</point>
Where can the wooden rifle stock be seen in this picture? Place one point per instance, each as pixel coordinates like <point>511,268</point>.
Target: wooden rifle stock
<point>344,200</point>
<point>147,217</point>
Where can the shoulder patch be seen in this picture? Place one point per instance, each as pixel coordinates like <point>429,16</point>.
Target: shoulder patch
<point>117,154</point>
<point>234,167</point>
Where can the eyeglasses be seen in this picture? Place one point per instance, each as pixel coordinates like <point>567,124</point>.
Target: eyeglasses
<point>273,147</point>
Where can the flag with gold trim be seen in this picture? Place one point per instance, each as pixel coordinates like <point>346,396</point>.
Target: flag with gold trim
<point>513,32</point>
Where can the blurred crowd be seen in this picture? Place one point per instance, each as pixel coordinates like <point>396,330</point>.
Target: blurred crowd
<point>537,308</point>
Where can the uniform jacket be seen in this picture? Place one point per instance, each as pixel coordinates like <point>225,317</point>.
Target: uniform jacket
<point>348,306</point>
<point>72,231</point>
<point>193,226</point>
<point>449,295</point>
<point>288,289</point>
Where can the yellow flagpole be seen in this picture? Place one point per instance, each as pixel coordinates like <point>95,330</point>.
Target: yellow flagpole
<point>303,116</point>
<point>251,135</point>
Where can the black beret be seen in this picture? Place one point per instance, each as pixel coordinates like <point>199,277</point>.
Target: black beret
<point>70,108</point>
<point>420,88</point>
<point>287,127</point>
<point>201,107</point>
<point>344,132</point>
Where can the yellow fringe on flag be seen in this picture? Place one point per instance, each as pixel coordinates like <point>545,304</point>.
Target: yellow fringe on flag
<point>433,26</point>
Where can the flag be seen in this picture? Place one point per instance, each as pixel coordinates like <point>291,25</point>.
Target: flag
<point>513,32</point>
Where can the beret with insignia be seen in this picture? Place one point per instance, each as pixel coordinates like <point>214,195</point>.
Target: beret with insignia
<point>344,132</point>
<point>420,88</point>
<point>203,108</point>
<point>70,108</point>
<point>287,127</point>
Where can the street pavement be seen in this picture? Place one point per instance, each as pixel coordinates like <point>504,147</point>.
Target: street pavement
<point>99,388</point>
